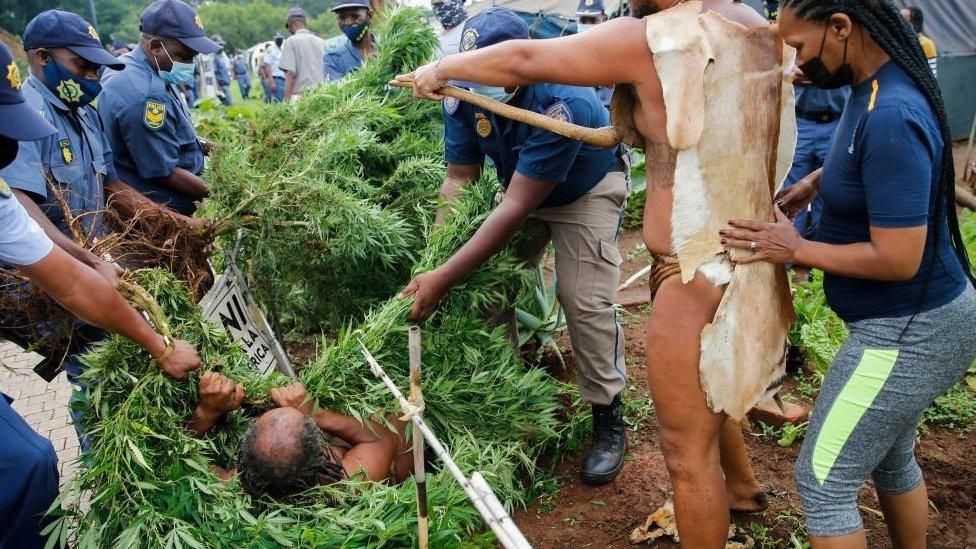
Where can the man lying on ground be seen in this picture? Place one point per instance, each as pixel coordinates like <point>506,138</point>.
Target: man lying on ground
<point>288,450</point>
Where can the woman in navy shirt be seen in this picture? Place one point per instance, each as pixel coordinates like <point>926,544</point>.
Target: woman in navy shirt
<point>896,270</point>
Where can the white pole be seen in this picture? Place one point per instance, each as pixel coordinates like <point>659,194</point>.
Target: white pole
<point>497,518</point>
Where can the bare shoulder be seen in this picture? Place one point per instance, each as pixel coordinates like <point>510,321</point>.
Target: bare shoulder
<point>737,12</point>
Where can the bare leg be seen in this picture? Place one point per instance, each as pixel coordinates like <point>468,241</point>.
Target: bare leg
<point>907,517</point>
<point>690,432</point>
<point>850,541</point>
<point>745,494</point>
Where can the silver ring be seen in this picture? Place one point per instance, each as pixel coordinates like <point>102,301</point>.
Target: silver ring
<point>752,246</point>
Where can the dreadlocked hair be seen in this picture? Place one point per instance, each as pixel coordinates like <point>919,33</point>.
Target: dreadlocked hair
<point>894,35</point>
<point>315,463</point>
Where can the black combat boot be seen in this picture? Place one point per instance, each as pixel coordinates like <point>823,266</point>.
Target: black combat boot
<point>606,457</point>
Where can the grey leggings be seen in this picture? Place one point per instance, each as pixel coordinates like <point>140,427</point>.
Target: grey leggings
<point>871,402</point>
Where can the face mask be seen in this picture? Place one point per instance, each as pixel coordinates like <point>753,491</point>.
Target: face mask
<point>450,13</point>
<point>8,151</point>
<point>178,74</point>
<point>73,90</point>
<point>495,92</point>
<point>819,76</point>
<point>583,27</point>
<point>356,33</point>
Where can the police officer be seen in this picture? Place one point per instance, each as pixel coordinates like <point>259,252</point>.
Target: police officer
<point>556,189</point>
<point>222,71</point>
<point>65,56</point>
<point>589,14</point>
<point>354,17</point>
<point>818,113</point>
<point>149,128</point>
<point>272,77</point>
<point>28,462</point>
<point>241,74</point>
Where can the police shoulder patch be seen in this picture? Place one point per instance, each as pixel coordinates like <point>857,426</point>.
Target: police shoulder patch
<point>155,114</point>
<point>4,189</point>
<point>451,105</point>
<point>560,111</point>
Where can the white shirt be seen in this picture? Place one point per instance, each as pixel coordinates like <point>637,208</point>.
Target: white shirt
<point>22,241</point>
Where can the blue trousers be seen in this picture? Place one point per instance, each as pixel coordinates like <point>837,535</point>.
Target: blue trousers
<point>244,83</point>
<point>812,143</point>
<point>227,99</point>
<point>276,96</point>
<point>28,480</point>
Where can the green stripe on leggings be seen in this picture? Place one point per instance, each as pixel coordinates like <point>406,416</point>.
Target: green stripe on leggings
<point>854,399</point>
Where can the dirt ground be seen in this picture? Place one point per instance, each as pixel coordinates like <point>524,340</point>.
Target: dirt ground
<point>582,516</point>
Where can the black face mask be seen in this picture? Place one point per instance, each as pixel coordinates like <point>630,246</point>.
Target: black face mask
<point>819,76</point>
<point>8,151</point>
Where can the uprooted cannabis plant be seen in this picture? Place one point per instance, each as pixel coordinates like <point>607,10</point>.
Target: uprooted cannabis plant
<point>336,188</point>
<point>150,483</point>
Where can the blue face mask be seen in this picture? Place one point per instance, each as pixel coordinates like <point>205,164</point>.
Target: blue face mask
<point>74,91</point>
<point>178,74</point>
<point>495,92</point>
<point>356,33</point>
<point>583,27</point>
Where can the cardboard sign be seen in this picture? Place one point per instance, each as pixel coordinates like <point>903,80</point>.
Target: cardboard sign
<point>225,304</point>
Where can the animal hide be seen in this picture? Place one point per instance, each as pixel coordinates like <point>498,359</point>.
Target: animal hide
<point>728,94</point>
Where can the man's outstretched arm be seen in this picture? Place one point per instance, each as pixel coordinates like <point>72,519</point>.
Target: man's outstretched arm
<point>81,290</point>
<point>612,53</point>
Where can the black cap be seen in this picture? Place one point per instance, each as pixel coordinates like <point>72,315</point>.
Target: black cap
<point>176,19</point>
<point>343,4</point>
<point>17,119</point>
<point>295,12</point>
<point>63,29</point>
<point>490,27</point>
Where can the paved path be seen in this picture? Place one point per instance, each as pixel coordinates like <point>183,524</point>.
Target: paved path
<point>43,405</point>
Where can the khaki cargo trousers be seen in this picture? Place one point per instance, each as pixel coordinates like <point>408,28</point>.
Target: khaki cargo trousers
<point>584,235</point>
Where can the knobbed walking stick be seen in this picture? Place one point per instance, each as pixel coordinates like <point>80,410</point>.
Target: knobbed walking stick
<point>602,137</point>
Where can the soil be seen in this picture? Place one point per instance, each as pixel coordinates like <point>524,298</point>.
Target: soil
<point>578,516</point>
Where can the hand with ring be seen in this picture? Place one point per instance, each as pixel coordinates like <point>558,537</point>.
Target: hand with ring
<point>775,242</point>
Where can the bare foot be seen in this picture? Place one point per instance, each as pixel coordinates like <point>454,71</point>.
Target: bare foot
<point>746,500</point>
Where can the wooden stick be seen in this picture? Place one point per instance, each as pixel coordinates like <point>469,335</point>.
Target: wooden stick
<point>416,397</point>
<point>601,137</point>
<point>496,517</point>
<point>965,198</point>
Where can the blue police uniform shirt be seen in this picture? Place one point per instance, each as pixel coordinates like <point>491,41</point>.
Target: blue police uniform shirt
<point>22,241</point>
<point>811,99</point>
<point>240,67</point>
<point>77,159</point>
<point>470,134</point>
<point>882,171</point>
<point>149,129</point>
<point>342,60</point>
<point>220,71</point>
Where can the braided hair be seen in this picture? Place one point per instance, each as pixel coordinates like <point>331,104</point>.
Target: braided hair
<point>893,35</point>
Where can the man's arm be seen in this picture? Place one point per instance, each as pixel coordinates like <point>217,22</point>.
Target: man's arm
<point>82,291</point>
<point>218,395</point>
<point>109,272</point>
<point>522,197</point>
<point>289,84</point>
<point>184,182</point>
<point>458,175</point>
<point>580,59</point>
